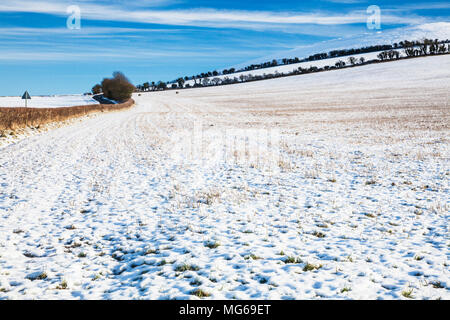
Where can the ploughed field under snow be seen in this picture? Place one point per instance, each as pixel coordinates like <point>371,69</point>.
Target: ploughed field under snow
<point>114,208</point>
<point>48,101</point>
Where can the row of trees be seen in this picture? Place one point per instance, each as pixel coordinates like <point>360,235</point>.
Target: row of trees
<point>216,81</point>
<point>161,85</point>
<point>315,57</point>
<point>389,52</point>
<point>426,47</point>
<point>417,49</point>
<point>389,55</point>
<point>117,88</point>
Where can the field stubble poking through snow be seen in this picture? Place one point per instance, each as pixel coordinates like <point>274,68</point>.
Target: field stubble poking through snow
<point>358,209</point>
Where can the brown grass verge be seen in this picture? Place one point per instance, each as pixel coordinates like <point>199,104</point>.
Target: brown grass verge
<point>17,118</point>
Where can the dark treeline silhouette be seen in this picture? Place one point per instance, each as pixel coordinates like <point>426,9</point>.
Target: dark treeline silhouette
<point>388,53</point>
<point>427,47</point>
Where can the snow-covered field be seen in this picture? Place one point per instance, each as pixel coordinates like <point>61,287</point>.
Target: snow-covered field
<point>359,209</point>
<point>48,101</point>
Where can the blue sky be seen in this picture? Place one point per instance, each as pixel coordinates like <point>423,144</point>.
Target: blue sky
<point>151,40</point>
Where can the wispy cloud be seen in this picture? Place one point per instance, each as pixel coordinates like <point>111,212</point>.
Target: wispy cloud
<point>86,31</point>
<point>88,54</point>
<point>59,43</point>
<point>418,6</point>
<point>211,18</point>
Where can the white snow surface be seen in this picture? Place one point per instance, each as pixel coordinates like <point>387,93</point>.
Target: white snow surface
<point>59,101</point>
<point>100,209</point>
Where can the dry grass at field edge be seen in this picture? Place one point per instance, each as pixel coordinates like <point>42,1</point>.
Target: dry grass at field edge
<point>18,118</point>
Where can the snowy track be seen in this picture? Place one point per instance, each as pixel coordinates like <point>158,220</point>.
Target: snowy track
<point>360,209</point>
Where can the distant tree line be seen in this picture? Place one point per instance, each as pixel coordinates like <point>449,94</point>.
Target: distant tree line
<point>426,47</point>
<point>388,52</point>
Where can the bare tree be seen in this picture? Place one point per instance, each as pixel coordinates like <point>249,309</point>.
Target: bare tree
<point>340,64</point>
<point>180,82</point>
<point>206,82</point>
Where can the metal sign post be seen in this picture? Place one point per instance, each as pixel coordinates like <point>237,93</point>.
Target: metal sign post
<point>26,97</point>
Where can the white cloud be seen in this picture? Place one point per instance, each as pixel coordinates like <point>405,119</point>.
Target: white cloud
<point>54,44</point>
<point>212,18</point>
<point>87,31</point>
